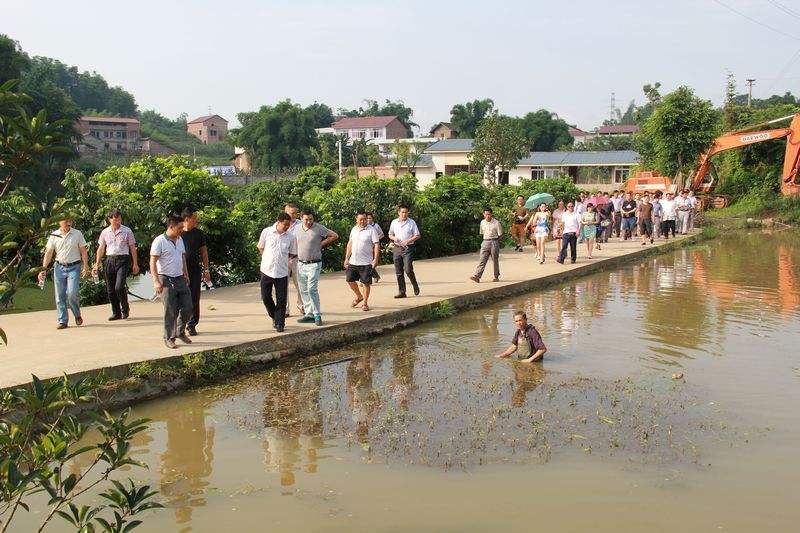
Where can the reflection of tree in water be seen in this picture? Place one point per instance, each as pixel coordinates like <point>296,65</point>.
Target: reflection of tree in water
<point>526,378</point>
<point>364,399</point>
<point>292,421</point>
<point>188,457</point>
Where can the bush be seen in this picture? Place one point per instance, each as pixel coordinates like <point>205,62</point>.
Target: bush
<point>91,293</point>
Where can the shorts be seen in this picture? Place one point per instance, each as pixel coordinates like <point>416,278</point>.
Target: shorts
<point>362,273</point>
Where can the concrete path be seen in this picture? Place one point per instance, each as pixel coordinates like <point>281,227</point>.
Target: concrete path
<point>235,315</point>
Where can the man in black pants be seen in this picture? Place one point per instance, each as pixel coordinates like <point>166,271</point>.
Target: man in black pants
<point>118,244</point>
<point>404,232</point>
<point>276,245</point>
<point>569,238</point>
<point>194,240</point>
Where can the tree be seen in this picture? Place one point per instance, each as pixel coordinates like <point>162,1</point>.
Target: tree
<point>44,448</point>
<point>467,117</point>
<point>603,144</point>
<point>13,61</point>
<point>323,115</point>
<point>677,132</point>
<point>388,108</point>
<point>499,144</point>
<point>277,137</point>
<point>543,132</point>
<point>406,156</point>
<point>653,96</point>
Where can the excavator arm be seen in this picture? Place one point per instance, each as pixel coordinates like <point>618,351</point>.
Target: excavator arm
<point>739,139</point>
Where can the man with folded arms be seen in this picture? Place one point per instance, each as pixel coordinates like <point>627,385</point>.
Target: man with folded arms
<point>311,239</point>
<point>171,281</point>
<point>72,261</point>
<point>403,232</point>
<point>119,246</point>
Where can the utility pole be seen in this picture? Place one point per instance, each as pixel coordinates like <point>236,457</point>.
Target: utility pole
<point>612,108</point>
<point>750,83</point>
<point>339,145</point>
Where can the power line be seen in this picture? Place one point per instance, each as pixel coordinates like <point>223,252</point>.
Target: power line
<point>751,19</point>
<point>785,9</point>
<point>785,68</point>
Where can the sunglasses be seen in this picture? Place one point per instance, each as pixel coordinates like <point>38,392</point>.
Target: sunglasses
<point>569,205</point>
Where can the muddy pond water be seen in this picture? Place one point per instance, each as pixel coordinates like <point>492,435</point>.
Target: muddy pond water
<point>425,430</point>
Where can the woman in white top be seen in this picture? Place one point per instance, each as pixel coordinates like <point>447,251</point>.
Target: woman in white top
<point>539,223</point>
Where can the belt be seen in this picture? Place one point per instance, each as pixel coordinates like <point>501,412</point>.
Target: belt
<point>310,262</point>
<point>492,239</point>
<point>114,256</point>
<point>68,264</point>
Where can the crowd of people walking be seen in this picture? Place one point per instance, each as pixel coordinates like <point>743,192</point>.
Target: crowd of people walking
<point>291,248</point>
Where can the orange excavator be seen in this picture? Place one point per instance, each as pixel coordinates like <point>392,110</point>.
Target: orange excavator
<point>704,180</point>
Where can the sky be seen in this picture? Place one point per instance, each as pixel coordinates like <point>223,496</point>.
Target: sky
<point>181,56</point>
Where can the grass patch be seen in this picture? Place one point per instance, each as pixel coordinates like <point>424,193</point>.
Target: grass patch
<point>33,299</point>
<point>438,310</point>
<point>760,204</point>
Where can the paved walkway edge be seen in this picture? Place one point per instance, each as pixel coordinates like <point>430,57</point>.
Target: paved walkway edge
<point>122,387</point>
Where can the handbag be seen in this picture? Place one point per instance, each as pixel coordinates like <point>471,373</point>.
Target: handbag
<point>605,223</point>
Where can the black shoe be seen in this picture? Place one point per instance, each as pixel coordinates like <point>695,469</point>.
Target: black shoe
<point>192,331</point>
<point>400,295</point>
<point>61,325</point>
<point>114,317</point>
<point>560,261</point>
<point>416,291</point>
<point>572,261</point>
<point>79,320</point>
<point>125,316</point>
<point>279,328</point>
<point>170,343</point>
<point>184,339</point>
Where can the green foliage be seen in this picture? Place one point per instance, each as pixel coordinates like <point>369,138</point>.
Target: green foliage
<point>92,293</point>
<point>677,132</point>
<point>439,310</point>
<point>544,133</point>
<point>499,144</point>
<point>604,143</point>
<point>405,156</point>
<point>758,203</point>
<point>323,115</point>
<point>207,366</point>
<point>466,118</point>
<point>277,137</point>
<point>41,447</point>
<point>13,61</point>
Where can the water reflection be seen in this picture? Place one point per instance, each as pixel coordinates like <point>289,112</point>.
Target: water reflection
<point>188,458</point>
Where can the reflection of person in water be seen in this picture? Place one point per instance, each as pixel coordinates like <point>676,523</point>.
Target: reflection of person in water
<point>281,443</point>
<point>527,342</point>
<point>526,378</point>
<point>402,385</point>
<point>187,459</point>
<point>364,399</point>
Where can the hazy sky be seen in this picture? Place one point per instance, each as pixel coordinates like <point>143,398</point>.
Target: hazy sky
<point>565,56</point>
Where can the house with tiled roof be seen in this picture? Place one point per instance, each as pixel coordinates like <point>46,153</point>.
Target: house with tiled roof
<point>374,129</point>
<point>618,129</point>
<point>209,128</point>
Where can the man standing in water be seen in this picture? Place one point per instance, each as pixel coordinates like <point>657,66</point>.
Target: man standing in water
<point>492,231</point>
<point>72,261</point>
<point>404,232</point>
<point>526,341</point>
<point>119,246</point>
<point>196,261</point>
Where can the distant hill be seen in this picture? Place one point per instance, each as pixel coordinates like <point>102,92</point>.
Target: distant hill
<point>173,133</point>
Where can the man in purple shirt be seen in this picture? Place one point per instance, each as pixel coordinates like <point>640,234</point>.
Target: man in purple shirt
<point>118,245</point>
<point>526,340</point>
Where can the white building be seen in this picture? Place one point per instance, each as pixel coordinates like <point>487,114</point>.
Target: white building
<point>606,170</point>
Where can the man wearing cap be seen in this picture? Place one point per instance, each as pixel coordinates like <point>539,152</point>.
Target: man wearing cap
<point>71,262</point>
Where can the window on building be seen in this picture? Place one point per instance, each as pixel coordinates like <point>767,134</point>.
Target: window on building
<point>537,173</point>
<point>593,175</point>
<point>105,134</point>
<point>212,133</point>
<point>105,146</point>
<point>502,177</point>
<point>545,173</point>
<point>621,175</point>
<point>124,134</point>
<point>439,174</point>
<point>119,146</point>
<point>376,133</point>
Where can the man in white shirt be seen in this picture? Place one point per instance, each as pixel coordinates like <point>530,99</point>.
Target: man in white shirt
<point>171,281</point>
<point>683,205</point>
<point>580,209</point>
<point>277,245</point>
<point>492,230</point>
<point>361,258</point>
<point>571,221</point>
<point>403,232</point>
<point>668,215</point>
<point>617,202</point>
<point>293,211</point>
<point>72,262</point>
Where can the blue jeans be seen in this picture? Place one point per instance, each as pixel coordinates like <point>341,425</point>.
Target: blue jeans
<point>628,225</point>
<point>66,281</point>
<point>308,278</point>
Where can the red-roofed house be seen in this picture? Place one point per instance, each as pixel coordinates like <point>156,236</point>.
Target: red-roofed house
<point>618,129</point>
<point>579,136</point>
<point>209,129</point>
<point>370,128</point>
<point>108,134</point>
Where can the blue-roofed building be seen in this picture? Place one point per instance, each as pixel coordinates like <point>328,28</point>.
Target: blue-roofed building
<point>601,170</point>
